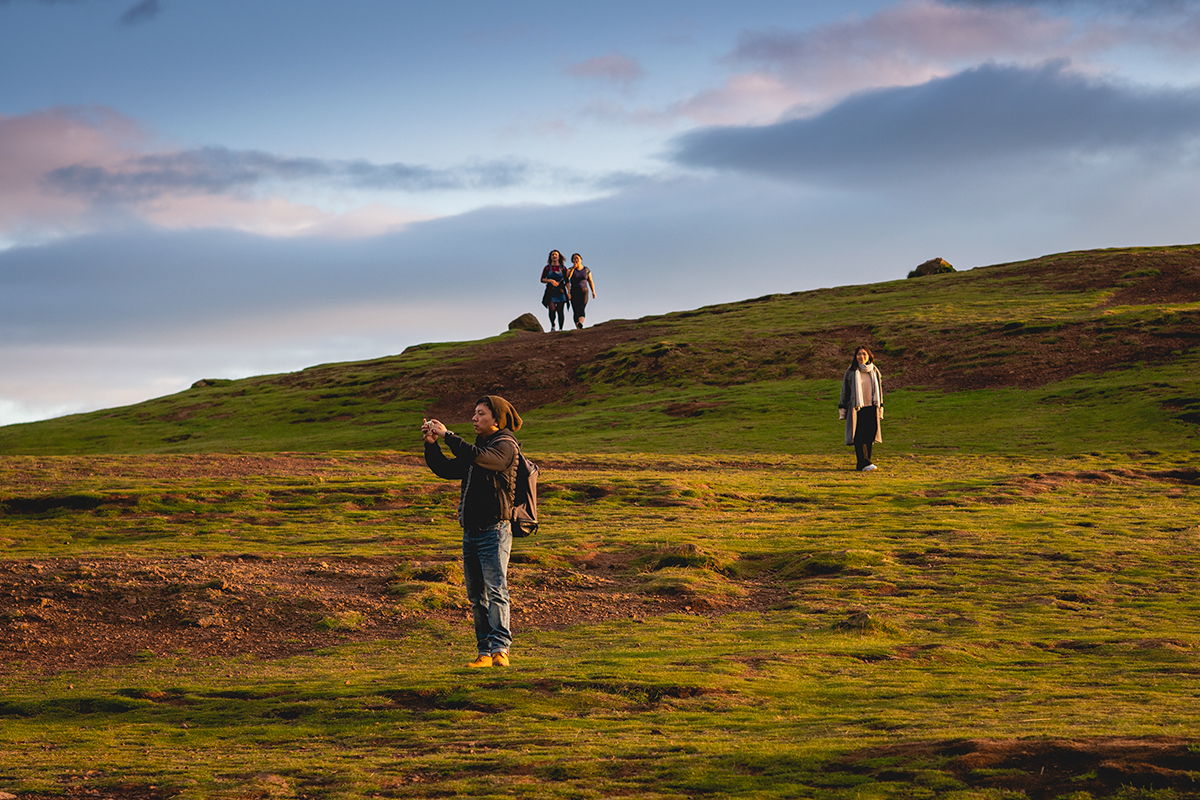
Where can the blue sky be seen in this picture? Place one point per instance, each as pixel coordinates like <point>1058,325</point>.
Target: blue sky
<point>207,188</point>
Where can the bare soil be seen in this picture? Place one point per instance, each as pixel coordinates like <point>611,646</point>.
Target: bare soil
<point>1042,769</point>
<point>79,614</point>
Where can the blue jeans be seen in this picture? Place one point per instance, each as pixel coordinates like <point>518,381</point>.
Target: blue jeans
<point>485,571</point>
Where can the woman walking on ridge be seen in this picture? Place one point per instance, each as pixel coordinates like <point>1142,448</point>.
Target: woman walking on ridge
<point>579,279</point>
<point>862,406</point>
<point>555,297</point>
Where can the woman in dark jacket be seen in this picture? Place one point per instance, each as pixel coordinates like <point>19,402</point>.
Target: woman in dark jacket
<point>554,275</point>
<point>861,406</point>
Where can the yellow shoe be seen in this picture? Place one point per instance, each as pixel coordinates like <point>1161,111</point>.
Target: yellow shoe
<point>481,660</point>
<point>500,659</point>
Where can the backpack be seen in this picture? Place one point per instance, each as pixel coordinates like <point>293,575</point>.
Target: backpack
<point>524,510</point>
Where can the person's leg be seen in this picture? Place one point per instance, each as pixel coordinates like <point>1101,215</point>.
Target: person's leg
<point>579,307</point>
<point>551,308</point>
<point>473,577</point>
<point>866,426</point>
<point>860,456</point>
<point>562,313</point>
<point>493,547</point>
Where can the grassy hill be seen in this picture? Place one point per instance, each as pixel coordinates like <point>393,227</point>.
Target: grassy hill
<point>1076,351</point>
<point>717,603</point>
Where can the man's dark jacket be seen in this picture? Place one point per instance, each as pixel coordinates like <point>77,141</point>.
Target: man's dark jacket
<point>488,471</point>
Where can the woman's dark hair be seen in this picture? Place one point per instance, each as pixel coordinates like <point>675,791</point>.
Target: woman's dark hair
<point>575,256</point>
<point>870,355</point>
<point>487,401</point>
<point>560,258</point>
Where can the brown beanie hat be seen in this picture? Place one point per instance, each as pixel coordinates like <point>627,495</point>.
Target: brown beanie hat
<point>506,416</point>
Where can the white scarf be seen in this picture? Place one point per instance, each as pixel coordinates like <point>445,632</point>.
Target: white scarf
<point>877,389</point>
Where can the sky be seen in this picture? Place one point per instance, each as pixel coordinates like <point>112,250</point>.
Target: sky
<point>221,188</point>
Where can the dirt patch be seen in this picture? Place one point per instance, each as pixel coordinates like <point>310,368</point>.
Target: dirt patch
<point>1138,276</point>
<point>79,614</point>
<point>529,369</point>
<point>691,409</point>
<point>92,791</point>
<point>1042,482</point>
<point>1042,769</point>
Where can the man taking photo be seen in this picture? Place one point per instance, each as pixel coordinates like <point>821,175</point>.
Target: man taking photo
<point>488,471</point>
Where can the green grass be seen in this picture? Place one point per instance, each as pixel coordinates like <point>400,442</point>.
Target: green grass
<point>985,596</point>
<point>1022,566</point>
<point>1116,411</point>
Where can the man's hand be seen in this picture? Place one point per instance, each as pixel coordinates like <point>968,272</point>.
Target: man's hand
<point>431,429</point>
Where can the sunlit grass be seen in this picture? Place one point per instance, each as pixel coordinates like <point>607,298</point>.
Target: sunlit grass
<point>941,597</point>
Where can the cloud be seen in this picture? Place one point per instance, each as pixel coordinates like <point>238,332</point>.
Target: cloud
<point>744,98</point>
<point>185,286</point>
<point>109,319</point>
<point>614,68</point>
<point>218,169</point>
<point>32,145</point>
<point>904,44</point>
<point>785,73</point>
<point>980,118</point>
<point>71,170</point>
<point>1163,29</point>
<point>141,12</point>
<point>1128,6</point>
<point>793,73</point>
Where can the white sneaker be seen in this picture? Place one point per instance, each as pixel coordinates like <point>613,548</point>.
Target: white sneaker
<point>869,467</point>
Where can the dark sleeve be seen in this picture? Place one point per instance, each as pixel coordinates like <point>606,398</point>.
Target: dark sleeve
<point>450,468</point>
<point>497,454</point>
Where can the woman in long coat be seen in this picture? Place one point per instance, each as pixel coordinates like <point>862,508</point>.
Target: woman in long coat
<point>862,406</point>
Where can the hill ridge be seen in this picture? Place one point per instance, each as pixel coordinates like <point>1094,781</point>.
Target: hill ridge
<point>1020,325</point>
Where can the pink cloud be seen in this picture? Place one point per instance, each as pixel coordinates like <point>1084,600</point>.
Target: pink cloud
<point>32,145</point>
<point>613,67</point>
<point>745,98</point>
<point>748,97</point>
<point>274,216</point>
<point>797,73</point>
<point>39,148</point>
<point>904,45</point>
